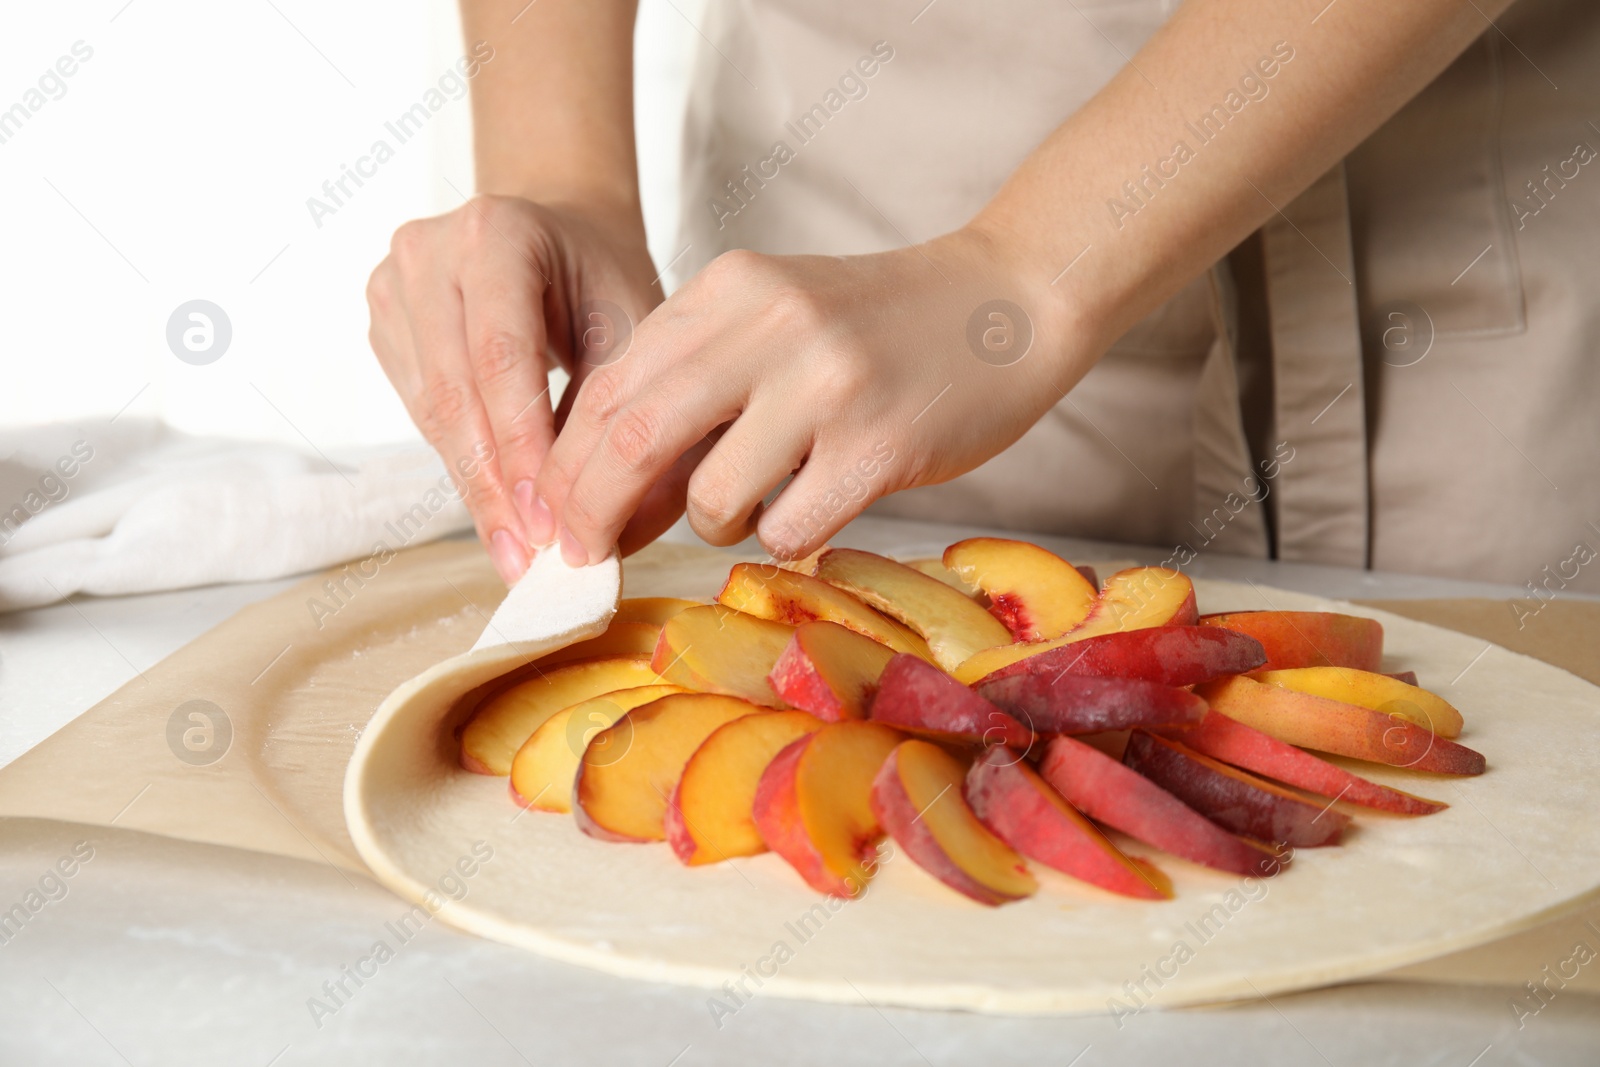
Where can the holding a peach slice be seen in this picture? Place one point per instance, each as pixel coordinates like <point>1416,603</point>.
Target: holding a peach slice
<point>708,818</point>
<point>630,768</point>
<point>813,805</point>
<point>1025,812</point>
<point>715,649</point>
<point>1131,600</point>
<point>1233,799</point>
<point>503,722</point>
<point>1036,594</point>
<point>954,626</point>
<point>545,766</point>
<point>769,592</point>
<point>1233,742</point>
<point>918,697</point>
<point>829,671</point>
<point>1342,729</point>
<point>1123,799</point>
<point>917,796</point>
<point>1308,638</point>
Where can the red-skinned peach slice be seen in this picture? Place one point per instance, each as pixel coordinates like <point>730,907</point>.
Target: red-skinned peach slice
<point>917,796</point>
<point>490,739</point>
<point>718,650</point>
<point>547,762</point>
<point>1308,638</point>
<point>954,626</point>
<point>771,592</point>
<point>829,671</point>
<point>1171,655</point>
<point>1035,593</point>
<point>1081,704</point>
<point>629,770</point>
<point>654,610</point>
<point>1365,689</point>
<point>708,818</point>
<point>1133,599</point>
<point>915,696</point>
<point>1126,800</point>
<point>1342,729</point>
<point>1233,742</point>
<point>1025,812</point>
<point>813,805</point>
<point>620,639</point>
<point>1233,799</point>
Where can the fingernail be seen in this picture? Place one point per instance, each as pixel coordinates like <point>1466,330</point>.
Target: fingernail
<point>509,557</point>
<point>571,550</point>
<point>535,516</point>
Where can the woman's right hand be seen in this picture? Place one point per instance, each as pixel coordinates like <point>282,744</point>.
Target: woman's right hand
<point>471,309</point>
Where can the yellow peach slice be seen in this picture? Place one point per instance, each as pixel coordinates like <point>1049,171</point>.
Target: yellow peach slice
<point>629,770</point>
<point>955,626</point>
<point>1036,594</point>
<point>770,592</point>
<point>709,817</point>
<point>620,639</point>
<point>718,650</point>
<point>829,671</point>
<point>545,766</point>
<point>651,609</point>
<point>1368,690</point>
<point>490,739</point>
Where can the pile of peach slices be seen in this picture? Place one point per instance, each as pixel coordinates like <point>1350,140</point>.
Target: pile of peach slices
<point>982,710</point>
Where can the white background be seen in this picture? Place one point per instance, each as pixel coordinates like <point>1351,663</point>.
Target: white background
<point>177,166</point>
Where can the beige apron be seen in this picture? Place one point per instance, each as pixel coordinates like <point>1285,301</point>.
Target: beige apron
<point>1395,373</point>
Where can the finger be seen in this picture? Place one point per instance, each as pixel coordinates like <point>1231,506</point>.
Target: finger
<point>636,449</point>
<point>758,451</point>
<point>502,294</point>
<point>829,491</point>
<point>453,419</point>
<point>663,504</point>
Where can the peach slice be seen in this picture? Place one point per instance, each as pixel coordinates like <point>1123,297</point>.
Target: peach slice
<point>1365,689</point>
<point>619,639</point>
<point>1171,655</point>
<point>1133,599</point>
<point>629,770</point>
<point>1343,729</point>
<point>490,739</point>
<point>1233,799</point>
<point>955,627</point>
<point>917,796</point>
<point>1408,677</point>
<point>1081,704</point>
<point>718,650</point>
<point>1308,638</point>
<point>919,698</point>
<point>654,610</point>
<point>546,764</point>
<point>829,671</point>
<point>770,592</point>
<point>1021,809</point>
<point>812,805</point>
<point>1233,742</point>
<point>935,568</point>
<point>1036,594</point>
<point>1124,799</point>
<point>708,818</point>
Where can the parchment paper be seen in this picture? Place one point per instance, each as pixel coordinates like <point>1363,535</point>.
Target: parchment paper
<point>291,681</point>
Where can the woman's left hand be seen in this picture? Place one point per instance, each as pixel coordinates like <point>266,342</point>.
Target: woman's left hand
<point>861,375</point>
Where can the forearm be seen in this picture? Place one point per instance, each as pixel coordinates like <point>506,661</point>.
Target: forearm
<point>1198,190</point>
<point>553,114</point>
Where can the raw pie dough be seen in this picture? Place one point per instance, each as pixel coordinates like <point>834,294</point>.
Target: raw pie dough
<point>1517,845</point>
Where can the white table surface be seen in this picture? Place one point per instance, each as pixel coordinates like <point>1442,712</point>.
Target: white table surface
<point>218,968</point>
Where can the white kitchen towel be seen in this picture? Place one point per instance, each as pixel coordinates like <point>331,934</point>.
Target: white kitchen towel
<point>133,506</point>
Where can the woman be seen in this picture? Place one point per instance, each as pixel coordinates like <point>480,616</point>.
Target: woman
<point>1311,280</point>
